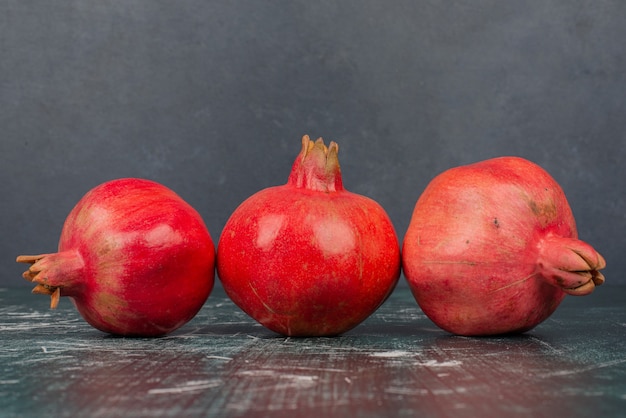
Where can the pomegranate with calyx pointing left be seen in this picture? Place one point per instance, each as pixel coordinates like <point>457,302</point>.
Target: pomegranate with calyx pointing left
<point>134,257</point>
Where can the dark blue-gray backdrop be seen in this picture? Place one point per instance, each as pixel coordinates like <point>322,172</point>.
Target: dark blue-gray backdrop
<point>211,98</point>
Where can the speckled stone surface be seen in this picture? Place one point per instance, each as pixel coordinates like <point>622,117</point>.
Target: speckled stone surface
<point>397,363</point>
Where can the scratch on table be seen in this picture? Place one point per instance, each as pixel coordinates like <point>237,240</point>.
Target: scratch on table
<point>29,315</point>
<point>43,359</point>
<point>24,327</point>
<point>191,386</point>
<point>59,326</point>
<point>394,354</point>
<point>312,368</point>
<point>272,373</point>
<point>220,358</point>
<point>391,354</point>
<point>280,381</point>
<point>545,344</point>
<point>406,391</point>
<point>46,349</point>
<point>435,363</point>
<point>583,369</point>
<point>442,391</point>
<point>9,382</point>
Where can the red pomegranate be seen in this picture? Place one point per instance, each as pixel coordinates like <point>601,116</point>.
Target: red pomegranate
<point>309,258</point>
<point>133,256</point>
<point>492,248</point>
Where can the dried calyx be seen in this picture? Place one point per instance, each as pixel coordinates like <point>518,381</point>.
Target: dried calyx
<point>317,167</point>
<point>34,274</point>
<point>571,264</point>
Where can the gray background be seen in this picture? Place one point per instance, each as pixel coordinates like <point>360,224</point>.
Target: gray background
<point>211,99</point>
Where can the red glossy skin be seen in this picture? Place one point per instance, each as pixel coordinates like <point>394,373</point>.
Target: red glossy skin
<point>134,257</point>
<point>308,262</point>
<point>492,248</point>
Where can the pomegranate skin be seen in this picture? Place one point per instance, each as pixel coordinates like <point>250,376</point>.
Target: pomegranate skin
<point>133,256</point>
<point>309,258</point>
<point>492,248</point>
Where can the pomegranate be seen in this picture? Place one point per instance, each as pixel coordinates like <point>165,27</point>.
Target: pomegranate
<point>309,258</point>
<point>492,248</point>
<point>133,256</point>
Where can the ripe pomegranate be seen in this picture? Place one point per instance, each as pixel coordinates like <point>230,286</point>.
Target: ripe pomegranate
<point>309,258</point>
<point>133,256</point>
<point>492,248</point>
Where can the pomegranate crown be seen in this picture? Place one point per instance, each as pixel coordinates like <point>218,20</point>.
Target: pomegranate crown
<point>317,167</point>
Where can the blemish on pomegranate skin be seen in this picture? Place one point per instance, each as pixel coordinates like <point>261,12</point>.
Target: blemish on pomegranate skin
<point>496,223</point>
<point>534,207</point>
<point>559,280</point>
<point>547,210</point>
